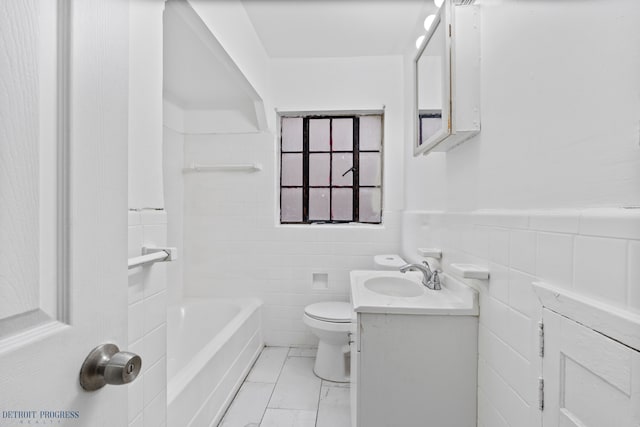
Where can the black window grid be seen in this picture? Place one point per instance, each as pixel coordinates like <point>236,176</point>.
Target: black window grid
<point>355,170</point>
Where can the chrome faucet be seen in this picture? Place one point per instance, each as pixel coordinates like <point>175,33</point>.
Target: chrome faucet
<point>430,278</point>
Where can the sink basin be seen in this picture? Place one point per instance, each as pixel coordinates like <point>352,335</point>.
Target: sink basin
<point>394,286</point>
<point>392,292</point>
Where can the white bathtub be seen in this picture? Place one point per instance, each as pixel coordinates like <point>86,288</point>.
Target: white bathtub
<point>211,345</point>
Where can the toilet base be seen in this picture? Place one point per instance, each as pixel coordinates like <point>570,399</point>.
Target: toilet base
<point>333,362</point>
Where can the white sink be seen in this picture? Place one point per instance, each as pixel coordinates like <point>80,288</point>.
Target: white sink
<point>393,292</point>
<point>394,286</point>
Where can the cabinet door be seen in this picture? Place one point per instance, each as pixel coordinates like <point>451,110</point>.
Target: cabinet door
<point>590,380</point>
<point>417,370</point>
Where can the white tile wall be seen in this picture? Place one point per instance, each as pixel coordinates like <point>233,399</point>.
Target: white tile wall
<point>173,153</point>
<point>554,258</point>
<point>595,252</point>
<point>601,268</point>
<point>560,221</point>
<point>234,246</point>
<point>147,321</point>
<point>523,251</point>
<point>499,246</point>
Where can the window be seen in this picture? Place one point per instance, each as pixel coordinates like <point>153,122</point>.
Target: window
<point>331,169</point>
<point>430,124</point>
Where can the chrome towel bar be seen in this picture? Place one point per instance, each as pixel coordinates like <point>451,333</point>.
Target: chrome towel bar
<point>240,167</point>
<point>151,255</point>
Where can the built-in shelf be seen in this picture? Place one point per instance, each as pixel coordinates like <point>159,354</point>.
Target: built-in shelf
<point>430,252</point>
<point>470,271</point>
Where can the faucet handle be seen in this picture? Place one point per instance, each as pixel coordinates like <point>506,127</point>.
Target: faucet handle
<point>435,280</point>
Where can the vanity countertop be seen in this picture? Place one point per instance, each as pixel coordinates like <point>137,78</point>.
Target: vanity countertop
<point>455,298</point>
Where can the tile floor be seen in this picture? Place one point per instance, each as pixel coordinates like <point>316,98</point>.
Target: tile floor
<point>282,391</point>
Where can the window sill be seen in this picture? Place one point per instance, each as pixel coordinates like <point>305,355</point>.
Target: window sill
<point>347,225</point>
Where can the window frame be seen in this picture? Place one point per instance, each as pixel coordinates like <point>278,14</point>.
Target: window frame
<point>355,151</point>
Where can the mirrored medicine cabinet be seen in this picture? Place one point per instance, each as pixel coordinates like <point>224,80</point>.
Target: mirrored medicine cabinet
<point>447,80</point>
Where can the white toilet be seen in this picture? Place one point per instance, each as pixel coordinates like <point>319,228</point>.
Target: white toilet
<point>331,323</point>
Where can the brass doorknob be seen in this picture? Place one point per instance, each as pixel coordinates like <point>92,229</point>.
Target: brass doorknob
<point>106,364</point>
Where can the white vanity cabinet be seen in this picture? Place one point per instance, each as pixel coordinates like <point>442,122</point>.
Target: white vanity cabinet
<point>413,366</point>
<point>414,370</point>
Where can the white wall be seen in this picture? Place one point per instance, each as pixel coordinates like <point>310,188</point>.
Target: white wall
<point>147,219</point>
<point>560,110</point>
<point>173,160</point>
<point>336,84</point>
<point>233,243</point>
<point>560,134</point>
<point>145,104</point>
<point>424,186</point>
<point>230,25</point>
<point>147,321</point>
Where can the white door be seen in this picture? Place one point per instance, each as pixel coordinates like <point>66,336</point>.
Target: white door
<point>63,203</point>
<point>590,380</point>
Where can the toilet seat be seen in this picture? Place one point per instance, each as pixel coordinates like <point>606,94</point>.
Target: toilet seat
<point>334,312</point>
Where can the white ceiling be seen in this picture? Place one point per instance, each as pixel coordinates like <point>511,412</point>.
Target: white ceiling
<point>198,75</point>
<point>337,28</point>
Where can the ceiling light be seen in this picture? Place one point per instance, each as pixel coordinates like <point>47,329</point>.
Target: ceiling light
<point>419,42</point>
<point>428,21</point>
<point>438,3</point>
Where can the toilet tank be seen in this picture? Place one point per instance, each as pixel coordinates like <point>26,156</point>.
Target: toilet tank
<point>388,262</point>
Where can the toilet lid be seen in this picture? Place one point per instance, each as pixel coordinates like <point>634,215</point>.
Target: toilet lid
<point>337,312</point>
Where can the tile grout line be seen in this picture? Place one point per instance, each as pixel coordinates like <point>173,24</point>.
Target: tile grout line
<point>274,385</point>
<point>318,405</point>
